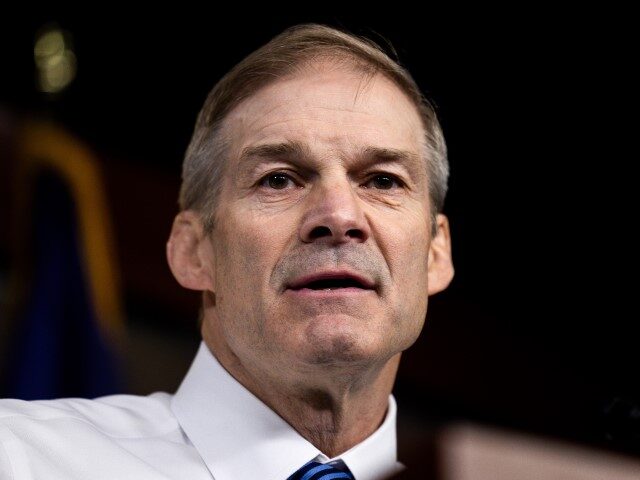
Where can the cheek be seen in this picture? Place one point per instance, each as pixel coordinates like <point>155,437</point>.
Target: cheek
<point>408,251</point>
<point>249,246</point>
<point>244,242</point>
<point>407,247</point>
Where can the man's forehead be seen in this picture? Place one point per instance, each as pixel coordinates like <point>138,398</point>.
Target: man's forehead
<point>335,105</point>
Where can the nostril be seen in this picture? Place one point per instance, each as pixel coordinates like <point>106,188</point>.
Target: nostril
<point>319,232</point>
<point>355,233</point>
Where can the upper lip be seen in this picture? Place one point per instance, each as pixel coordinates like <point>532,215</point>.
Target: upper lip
<point>300,282</point>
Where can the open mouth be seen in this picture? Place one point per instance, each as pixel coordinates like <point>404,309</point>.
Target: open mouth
<point>330,281</point>
<point>333,284</point>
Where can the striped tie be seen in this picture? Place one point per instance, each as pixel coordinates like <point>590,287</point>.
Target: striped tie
<point>322,471</point>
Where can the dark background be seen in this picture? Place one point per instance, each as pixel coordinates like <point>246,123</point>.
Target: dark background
<point>539,330</point>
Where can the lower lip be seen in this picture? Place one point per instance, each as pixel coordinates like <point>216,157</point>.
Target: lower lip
<point>334,292</point>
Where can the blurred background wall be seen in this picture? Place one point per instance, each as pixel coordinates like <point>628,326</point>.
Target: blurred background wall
<point>536,333</point>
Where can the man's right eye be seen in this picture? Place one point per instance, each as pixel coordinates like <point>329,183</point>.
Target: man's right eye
<point>277,181</point>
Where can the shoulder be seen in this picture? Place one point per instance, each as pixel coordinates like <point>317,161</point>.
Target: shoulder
<point>66,438</point>
<point>114,415</point>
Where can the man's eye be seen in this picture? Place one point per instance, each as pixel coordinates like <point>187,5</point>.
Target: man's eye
<point>383,182</point>
<point>277,181</point>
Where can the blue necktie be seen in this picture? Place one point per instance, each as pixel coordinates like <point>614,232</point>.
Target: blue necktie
<point>322,471</point>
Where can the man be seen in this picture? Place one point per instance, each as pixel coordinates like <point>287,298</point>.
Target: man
<point>310,221</point>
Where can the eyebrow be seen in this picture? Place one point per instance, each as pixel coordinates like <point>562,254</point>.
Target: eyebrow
<point>293,149</point>
<point>274,150</point>
<point>383,154</point>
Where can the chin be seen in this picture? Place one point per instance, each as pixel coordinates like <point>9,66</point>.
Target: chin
<point>340,350</point>
<point>342,340</point>
<point>336,352</point>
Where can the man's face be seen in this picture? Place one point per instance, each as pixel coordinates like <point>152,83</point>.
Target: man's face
<point>320,249</point>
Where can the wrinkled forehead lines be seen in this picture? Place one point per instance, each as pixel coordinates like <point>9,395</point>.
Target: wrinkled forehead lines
<point>314,90</point>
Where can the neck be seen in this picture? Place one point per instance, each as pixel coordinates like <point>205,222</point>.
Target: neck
<point>334,409</point>
<point>337,417</point>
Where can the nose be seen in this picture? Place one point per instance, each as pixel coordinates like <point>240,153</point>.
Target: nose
<point>334,215</point>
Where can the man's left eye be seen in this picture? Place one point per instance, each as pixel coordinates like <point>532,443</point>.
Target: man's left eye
<point>383,182</point>
<point>276,181</point>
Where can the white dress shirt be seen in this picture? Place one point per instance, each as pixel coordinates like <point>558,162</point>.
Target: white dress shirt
<point>212,428</point>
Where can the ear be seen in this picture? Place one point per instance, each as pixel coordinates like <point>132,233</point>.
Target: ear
<point>190,253</point>
<point>441,270</point>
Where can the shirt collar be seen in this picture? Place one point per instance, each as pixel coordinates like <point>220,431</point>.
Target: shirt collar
<point>376,455</point>
<point>238,436</point>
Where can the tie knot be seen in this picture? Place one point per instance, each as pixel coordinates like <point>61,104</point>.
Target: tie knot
<point>322,471</point>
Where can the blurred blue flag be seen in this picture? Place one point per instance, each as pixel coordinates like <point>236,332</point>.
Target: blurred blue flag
<point>58,349</point>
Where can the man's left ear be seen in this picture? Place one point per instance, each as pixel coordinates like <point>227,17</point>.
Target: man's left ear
<point>190,254</point>
<point>441,269</point>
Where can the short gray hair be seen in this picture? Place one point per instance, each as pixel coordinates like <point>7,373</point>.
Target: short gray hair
<point>285,54</point>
